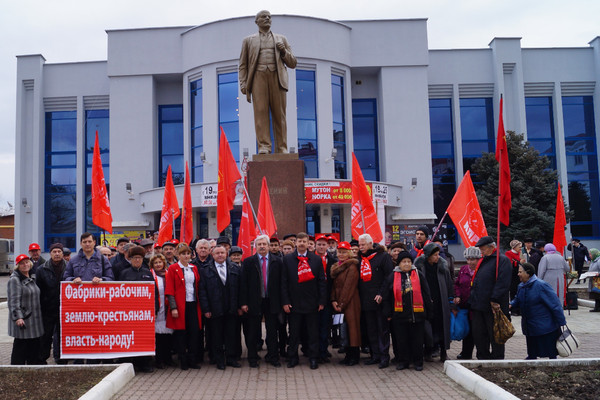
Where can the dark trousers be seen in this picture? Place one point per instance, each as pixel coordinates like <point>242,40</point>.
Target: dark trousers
<point>223,337</point>
<point>324,330</point>
<point>186,340</point>
<point>253,333</point>
<point>482,326</point>
<point>409,337</point>
<point>25,352</point>
<point>311,322</point>
<point>467,343</point>
<point>378,329</point>
<point>51,330</point>
<point>163,348</point>
<point>282,332</point>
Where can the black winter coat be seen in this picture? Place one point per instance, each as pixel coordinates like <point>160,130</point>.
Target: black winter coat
<point>49,285</point>
<point>381,267</point>
<point>216,298</point>
<point>486,288</point>
<point>407,314</point>
<point>132,274</point>
<point>304,297</point>
<point>251,284</point>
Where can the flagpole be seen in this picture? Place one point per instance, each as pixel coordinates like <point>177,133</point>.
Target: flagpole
<point>252,208</point>
<point>439,226</point>
<point>362,215</point>
<point>173,216</point>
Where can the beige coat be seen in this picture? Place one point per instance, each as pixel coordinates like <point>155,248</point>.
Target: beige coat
<point>345,292</point>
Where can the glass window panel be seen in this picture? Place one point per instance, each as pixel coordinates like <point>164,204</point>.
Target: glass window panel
<point>307,130</point>
<point>305,97</point>
<point>172,138</point>
<point>176,163</point>
<point>311,168</point>
<point>364,132</point>
<point>476,148</point>
<point>62,213</point>
<point>307,149</point>
<point>66,240</point>
<point>581,145</point>
<point>105,157</point>
<point>440,120</point>
<point>442,149</point>
<point>338,133</point>
<point>231,77</point>
<point>543,146</point>
<point>539,122</point>
<point>62,159</point>
<point>197,109</point>
<point>363,107</point>
<point>63,176</point>
<point>340,170</point>
<point>577,163</point>
<point>338,106</point>
<point>582,176</point>
<point>538,101</point>
<point>171,113</point>
<point>232,132</point>
<point>228,102</point>
<point>443,166</point>
<point>305,75</point>
<point>366,159</point>
<point>337,80</point>
<point>63,135</point>
<point>198,174</point>
<point>442,196</point>
<point>197,137</point>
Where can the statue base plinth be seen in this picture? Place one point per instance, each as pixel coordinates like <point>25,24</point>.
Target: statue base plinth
<point>285,179</point>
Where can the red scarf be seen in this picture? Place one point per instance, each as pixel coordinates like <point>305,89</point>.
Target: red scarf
<point>476,269</point>
<point>324,259</point>
<point>420,251</point>
<point>365,268</point>
<point>304,272</point>
<point>415,288</point>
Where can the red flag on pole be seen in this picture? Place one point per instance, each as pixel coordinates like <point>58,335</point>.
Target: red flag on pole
<point>466,214</point>
<point>101,215</point>
<point>170,211</point>
<point>560,220</point>
<point>504,201</point>
<point>228,176</point>
<point>265,216</point>
<point>187,219</point>
<point>364,217</point>
<point>247,229</point>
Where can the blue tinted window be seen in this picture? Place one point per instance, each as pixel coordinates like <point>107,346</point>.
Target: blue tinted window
<point>170,139</point>
<point>582,165</point>
<point>229,111</point>
<point>442,154</point>
<point>95,121</point>
<point>196,130</point>
<point>477,127</point>
<point>540,126</point>
<point>366,143</point>
<point>307,122</point>
<point>339,125</point>
<point>60,178</point>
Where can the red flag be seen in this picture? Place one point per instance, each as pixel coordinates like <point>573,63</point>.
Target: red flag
<point>170,211</point>
<point>465,212</point>
<point>228,175</point>
<point>504,202</point>
<point>560,220</point>
<point>187,219</point>
<point>265,216</point>
<point>101,215</point>
<point>361,201</point>
<point>247,229</point>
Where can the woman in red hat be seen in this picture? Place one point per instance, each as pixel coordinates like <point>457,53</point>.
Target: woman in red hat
<point>25,314</point>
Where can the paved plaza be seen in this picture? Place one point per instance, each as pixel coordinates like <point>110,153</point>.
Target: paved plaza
<point>330,381</point>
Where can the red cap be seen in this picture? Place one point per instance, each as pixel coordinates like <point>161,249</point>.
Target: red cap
<point>21,257</point>
<point>344,246</point>
<point>156,245</point>
<point>331,237</point>
<point>34,246</point>
<point>175,242</point>
<point>320,236</point>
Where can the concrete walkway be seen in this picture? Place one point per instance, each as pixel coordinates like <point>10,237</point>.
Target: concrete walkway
<point>330,381</point>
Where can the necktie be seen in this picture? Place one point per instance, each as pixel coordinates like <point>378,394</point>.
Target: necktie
<point>222,273</point>
<point>264,273</point>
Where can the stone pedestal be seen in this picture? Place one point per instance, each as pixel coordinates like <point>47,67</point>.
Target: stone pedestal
<point>285,179</point>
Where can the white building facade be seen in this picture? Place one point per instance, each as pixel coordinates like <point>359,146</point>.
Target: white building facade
<point>416,119</point>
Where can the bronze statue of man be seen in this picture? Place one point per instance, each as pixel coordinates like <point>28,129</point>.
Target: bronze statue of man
<point>263,76</point>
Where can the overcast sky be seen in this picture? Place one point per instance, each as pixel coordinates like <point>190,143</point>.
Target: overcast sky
<point>74,30</point>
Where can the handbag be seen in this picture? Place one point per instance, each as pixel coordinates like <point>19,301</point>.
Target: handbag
<point>459,324</point>
<point>503,328</point>
<point>567,342</point>
<point>596,284</point>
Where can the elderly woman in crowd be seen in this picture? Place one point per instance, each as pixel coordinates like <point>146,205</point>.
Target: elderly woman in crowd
<point>514,255</point>
<point>462,289</point>
<point>552,269</point>
<point>541,314</point>
<point>407,304</point>
<point>25,314</point>
<point>163,335</point>
<point>345,298</point>
<point>594,267</point>
<point>184,315</point>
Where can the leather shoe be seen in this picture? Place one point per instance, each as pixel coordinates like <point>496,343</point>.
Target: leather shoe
<point>352,362</point>
<point>253,364</point>
<point>275,363</point>
<point>314,364</point>
<point>372,361</point>
<point>234,364</point>
<point>292,363</point>
<point>221,366</point>
<point>384,364</point>
<point>344,361</point>
<point>461,357</point>
<point>323,360</point>
<point>400,367</point>
<point>428,358</point>
<point>418,368</point>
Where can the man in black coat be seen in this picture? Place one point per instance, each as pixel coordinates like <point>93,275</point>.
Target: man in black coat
<point>375,266</point>
<point>303,295</point>
<point>327,260</point>
<point>219,300</point>
<point>48,277</point>
<point>202,260</point>
<point>489,292</point>
<point>580,253</point>
<point>260,296</point>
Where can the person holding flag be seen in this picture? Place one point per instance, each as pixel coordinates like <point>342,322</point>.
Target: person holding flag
<point>422,240</point>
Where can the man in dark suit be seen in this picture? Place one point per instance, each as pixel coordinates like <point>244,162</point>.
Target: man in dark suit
<point>303,295</point>
<point>263,77</point>
<point>327,259</point>
<point>260,295</point>
<point>219,299</point>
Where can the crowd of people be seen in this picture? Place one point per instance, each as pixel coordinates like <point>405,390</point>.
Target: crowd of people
<point>313,294</point>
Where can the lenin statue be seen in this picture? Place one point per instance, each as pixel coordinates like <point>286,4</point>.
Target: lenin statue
<point>263,78</point>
